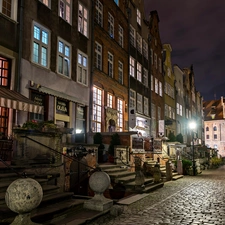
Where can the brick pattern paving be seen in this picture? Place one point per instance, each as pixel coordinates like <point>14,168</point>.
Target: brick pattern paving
<point>189,200</point>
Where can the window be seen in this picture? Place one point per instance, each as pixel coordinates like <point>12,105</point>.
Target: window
<point>139,43</point>
<point>170,111</point>
<point>145,77</point>
<point>146,107</point>
<point>110,64</point>
<point>139,72</point>
<point>178,109</point>
<point>46,2</point>
<point>207,136</point>
<point>156,86</point>
<point>120,72</point>
<point>151,56</point>
<point>5,68</point>
<point>139,103</point>
<point>207,128</point>
<point>97,110</point>
<point>215,128</point>
<point>120,36</point>
<point>215,136</point>
<point>160,88</point>
<point>160,65</point>
<point>132,73</point>
<point>132,99</point>
<point>155,60</point>
<point>80,120</point>
<point>82,68</point>
<point>181,110</point>
<point>109,100</point>
<point>159,113</point>
<point>152,83</point>
<point>65,8</point>
<point>83,20</point>
<point>145,49</point>
<point>120,114</point>
<point>98,56</point>
<point>9,8</point>
<point>64,57</point>
<point>99,13</point>
<point>132,36</point>
<point>138,17</point>
<point>110,25</point>
<point>41,45</point>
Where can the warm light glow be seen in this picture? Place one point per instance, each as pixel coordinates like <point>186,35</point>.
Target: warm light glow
<point>192,125</point>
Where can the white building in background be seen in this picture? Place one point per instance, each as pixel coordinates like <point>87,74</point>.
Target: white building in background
<point>214,124</point>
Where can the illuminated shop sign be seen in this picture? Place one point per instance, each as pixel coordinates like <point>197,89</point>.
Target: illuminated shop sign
<point>62,107</point>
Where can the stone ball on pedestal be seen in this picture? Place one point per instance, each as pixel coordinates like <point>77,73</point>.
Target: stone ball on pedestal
<point>23,195</point>
<point>99,182</point>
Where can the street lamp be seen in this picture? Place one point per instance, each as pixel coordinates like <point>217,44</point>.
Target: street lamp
<point>192,126</point>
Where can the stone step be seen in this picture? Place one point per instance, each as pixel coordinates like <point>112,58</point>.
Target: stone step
<point>177,177</point>
<point>121,174</point>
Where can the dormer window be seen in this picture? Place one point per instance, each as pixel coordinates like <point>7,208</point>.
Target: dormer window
<point>213,112</point>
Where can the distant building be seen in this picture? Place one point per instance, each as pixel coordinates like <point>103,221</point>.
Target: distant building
<point>214,124</point>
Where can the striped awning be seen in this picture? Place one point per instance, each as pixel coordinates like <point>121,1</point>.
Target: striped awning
<point>14,100</point>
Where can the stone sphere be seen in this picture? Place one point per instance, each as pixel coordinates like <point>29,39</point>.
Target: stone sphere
<point>23,195</point>
<point>99,182</point>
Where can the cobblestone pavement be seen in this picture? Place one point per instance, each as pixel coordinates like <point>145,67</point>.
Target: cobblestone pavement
<point>189,200</point>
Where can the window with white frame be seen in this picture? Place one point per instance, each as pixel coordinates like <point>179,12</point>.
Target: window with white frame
<point>111,25</point>
<point>65,8</point>
<point>83,20</point>
<point>155,60</point>
<point>178,108</point>
<point>64,57</point>
<point>170,111</point>
<point>110,64</point>
<point>120,72</point>
<point>9,8</point>
<point>139,43</point>
<point>46,2</point>
<point>160,88</point>
<point>132,98</point>
<point>145,77</point>
<point>99,13</point>
<point>41,45</point>
<point>97,110</point>
<point>153,118</point>
<point>132,67</point>
<point>120,114</point>
<point>145,49</point>
<point>109,100</point>
<point>181,110</point>
<point>82,68</point>
<point>146,106</point>
<point>139,103</point>
<point>160,65</point>
<point>139,78</point>
<point>152,83</point>
<point>120,31</point>
<point>138,17</point>
<point>151,51</point>
<point>166,110</point>
<point>173,113</point>
<point>156,86</point>
<point>98,56</point>
<point>132,36</point>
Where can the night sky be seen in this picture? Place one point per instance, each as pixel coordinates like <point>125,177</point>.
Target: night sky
<point>195,29</point>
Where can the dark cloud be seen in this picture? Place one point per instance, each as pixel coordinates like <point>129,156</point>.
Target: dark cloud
<point>195,30</point>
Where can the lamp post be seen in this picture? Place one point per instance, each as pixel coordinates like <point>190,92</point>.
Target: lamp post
<point>192,126</point>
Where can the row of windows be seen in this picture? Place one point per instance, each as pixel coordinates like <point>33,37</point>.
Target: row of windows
<point>41,54</point>
<point>155,61</point>
<point>169,112</point>
<point>97,109</point>
<point>157,87</point>
<point>142,103</point>
<point>9,8</point>
<point>214,128</point>
<point>214,137</point>
<point>169,90</point>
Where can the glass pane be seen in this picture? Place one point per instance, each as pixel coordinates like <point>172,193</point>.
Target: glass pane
<point>60,47</point>
<point>37,32</point>
<point>80,59</point>
<point>60,64</point>
<point>45,37</point>
<point>35,52</point>
<point>43,56</point>
<point>85,61</point>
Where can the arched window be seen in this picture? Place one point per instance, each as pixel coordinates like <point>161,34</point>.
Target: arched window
<point>207,128</point>
<point>215,128</point>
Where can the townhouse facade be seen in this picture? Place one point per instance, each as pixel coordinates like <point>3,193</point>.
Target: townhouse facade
<point>169,80</point>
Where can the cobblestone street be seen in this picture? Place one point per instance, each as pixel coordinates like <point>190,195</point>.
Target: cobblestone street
<point>189,200</point>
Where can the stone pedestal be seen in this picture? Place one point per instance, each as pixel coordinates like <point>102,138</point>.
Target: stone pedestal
<point>99,182</point>
<point>179,167</point>
<point>168,171</point>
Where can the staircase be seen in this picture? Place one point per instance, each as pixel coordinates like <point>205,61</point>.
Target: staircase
<point>123,182</point>
<point>56,207</point>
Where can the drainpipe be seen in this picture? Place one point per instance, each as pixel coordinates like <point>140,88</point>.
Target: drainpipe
<point>92,67</point>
